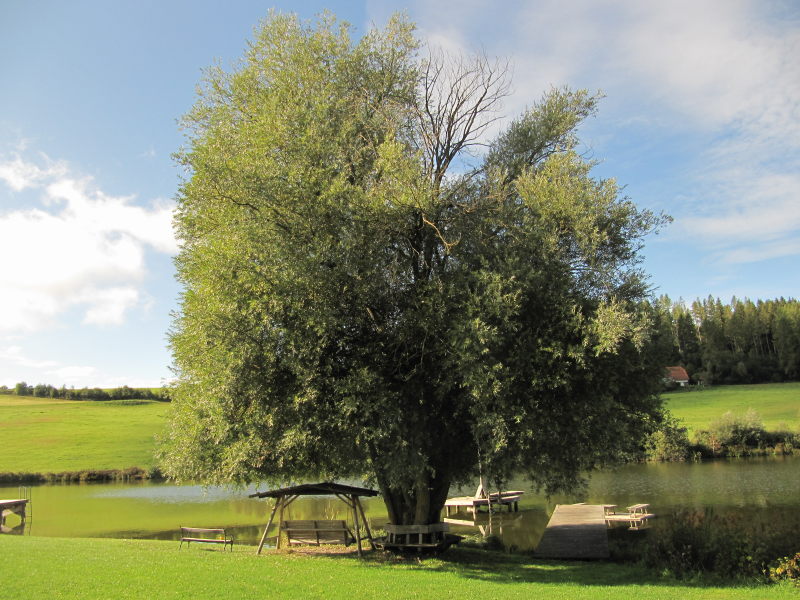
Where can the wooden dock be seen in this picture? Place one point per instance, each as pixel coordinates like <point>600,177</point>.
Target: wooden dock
<point>493,501</point>
<point>16,506</point>
<point>575,531</point>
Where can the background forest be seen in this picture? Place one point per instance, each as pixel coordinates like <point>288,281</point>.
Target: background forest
<point>739,342</point>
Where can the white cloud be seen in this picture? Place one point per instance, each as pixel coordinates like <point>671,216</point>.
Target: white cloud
<point>15,356</point>
<point>76,247</point>
<point>50,370</point>
<point>766,251</point>
<point>19,174</point>
<point>16,365</point>
<point>108,306</point>
<point>767,209</point>
<point>74,373</point>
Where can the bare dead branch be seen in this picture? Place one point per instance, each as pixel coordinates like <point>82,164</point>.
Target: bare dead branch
<point>459,100</point>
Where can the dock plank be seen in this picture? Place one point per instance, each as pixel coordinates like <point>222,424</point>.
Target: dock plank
<point>575,531</point>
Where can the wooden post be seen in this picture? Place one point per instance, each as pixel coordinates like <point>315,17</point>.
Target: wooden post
<point>356,526</point>
<point>280,523</point>
<point>366,523</point>
<point>266,529</point>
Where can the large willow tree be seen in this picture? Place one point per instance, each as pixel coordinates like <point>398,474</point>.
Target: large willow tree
<point>365,295</point>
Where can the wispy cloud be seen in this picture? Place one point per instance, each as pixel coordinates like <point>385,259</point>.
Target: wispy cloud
<point>17,365</point>
<point>763,251</point>
<point>15,355</point>
<point>19,174</point>
<point>761,210</point>
<point>74,247</point>
<point>73,373</point>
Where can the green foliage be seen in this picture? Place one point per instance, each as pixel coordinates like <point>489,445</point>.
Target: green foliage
<point>352,308</point>
<point>88,475</point>
<point>728,546</point>
<point>42,390</point>
<point>739,430</point>
<point>786,569</point>
<point>744,435</point>
<point>740,342</point>
<point>670,442</point>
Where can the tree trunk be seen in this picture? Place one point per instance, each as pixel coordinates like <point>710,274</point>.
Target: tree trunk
<point>420,503</point>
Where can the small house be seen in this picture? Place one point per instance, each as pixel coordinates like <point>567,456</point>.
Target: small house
<point>676,376</point>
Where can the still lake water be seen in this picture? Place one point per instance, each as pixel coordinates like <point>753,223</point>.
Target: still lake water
<point>764,488</point>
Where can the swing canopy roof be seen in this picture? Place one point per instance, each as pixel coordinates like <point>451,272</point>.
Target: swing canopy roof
<point>325,488</point>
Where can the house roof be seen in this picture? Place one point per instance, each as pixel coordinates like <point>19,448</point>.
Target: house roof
<point>677,373</point>
<point>325,488</point>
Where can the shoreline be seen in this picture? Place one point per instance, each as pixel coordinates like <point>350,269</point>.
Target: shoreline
<point>86,475</point>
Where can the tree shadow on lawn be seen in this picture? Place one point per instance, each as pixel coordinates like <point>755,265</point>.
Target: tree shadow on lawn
<point>498,567</point>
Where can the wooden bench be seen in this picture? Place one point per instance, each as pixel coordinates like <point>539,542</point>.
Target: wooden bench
<point>205,536</point>
<point>609,509</point>
<point>417,536</point>
<point>317,532</point>
<point>636,510</point>
<point>433,537</point>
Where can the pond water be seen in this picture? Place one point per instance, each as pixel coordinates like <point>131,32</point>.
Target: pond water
<point>765,488</point>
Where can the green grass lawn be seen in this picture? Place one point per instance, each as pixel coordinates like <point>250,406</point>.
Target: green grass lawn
<point>43,435</point>
<point>82,568</point>
<point>776,404</point>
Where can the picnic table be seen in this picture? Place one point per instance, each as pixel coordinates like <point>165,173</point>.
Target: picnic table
<point>638,510</point>
<point>637,515</point>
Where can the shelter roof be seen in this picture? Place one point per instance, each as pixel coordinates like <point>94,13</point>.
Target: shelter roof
<point>316,489</point>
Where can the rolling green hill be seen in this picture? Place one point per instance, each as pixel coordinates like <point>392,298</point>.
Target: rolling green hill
<point>43,435</point>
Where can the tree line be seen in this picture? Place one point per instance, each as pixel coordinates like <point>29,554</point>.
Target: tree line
<point>739,342</point>
<point>42,390</point>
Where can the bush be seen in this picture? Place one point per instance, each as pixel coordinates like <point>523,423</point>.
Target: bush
<point>735,435</point>
<point>730,546</point>
<point>733,430</point>
<point>786,569</point>
<point>669,442</point>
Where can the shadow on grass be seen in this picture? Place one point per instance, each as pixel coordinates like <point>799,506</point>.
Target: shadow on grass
<point>499,567</point>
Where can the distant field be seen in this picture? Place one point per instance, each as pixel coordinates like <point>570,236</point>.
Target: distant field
<point>42,435</point>
<point>776,403</point>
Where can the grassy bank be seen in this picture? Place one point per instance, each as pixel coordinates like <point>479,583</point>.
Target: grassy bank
<point>83,568</point>
<point>40,435</point>
<point>775,403</point>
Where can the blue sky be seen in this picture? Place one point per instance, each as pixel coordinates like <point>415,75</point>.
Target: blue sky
<point>701,120</point>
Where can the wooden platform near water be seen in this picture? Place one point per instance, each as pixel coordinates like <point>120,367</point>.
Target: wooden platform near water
<point>575,531</point>
<point>16,506</point>
<point>495,500</point>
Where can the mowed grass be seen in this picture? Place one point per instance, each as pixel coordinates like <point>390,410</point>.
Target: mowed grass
<point>777,404</point>
<point>37,568</point>
<point>42,435</point>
